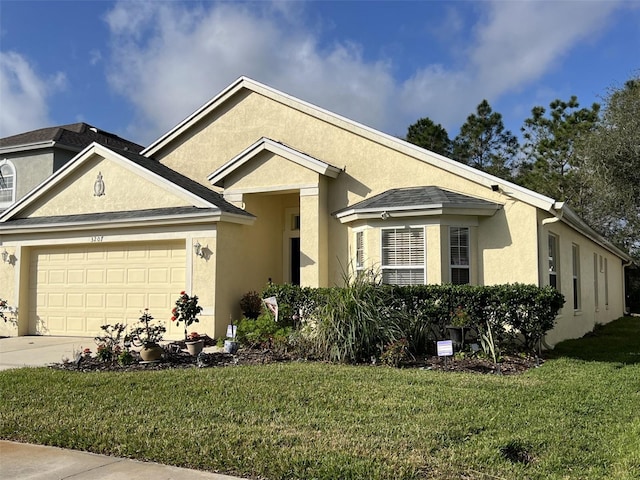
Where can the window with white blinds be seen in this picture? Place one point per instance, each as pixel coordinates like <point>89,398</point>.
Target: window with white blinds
<point>460,254</point>
<point>359,251</point>
<point>403,256</point>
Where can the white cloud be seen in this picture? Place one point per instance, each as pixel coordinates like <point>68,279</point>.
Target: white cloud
<point>169,58</point>
<point>24,95</point>
<point>512,46</point>
<point>177,58</point>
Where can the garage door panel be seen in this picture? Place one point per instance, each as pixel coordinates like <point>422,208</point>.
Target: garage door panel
<point>95,276</point>
<point>75,300</point>
<point>115,300</point>
<point>57,277</point>
<point>95,300</point>
<point>136,300</point>
<point>103,284</point>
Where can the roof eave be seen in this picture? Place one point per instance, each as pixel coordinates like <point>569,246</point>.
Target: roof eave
<point>144,221</point>
<point>351,215</point>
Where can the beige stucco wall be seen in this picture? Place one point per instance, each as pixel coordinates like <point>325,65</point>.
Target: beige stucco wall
<point>124,191</point>
<point>575,323</point>
<point>271,172</point>
<point>508,238</point>
<point>9,290</point>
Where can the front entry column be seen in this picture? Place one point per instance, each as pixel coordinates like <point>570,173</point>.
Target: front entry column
<point>314,233</point>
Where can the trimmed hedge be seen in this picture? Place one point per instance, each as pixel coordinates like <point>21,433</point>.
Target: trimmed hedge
<point>518,314</point>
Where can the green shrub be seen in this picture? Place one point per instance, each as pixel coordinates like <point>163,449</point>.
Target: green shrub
<point>262,331</point>
<point>356,322</point>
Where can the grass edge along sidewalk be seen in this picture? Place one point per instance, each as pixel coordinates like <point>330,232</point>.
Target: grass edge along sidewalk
<point>574,417</point>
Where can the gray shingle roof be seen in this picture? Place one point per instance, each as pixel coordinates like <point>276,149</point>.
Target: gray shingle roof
<point>414,198</point>
<point>75,136</point>
<point>184,182</point>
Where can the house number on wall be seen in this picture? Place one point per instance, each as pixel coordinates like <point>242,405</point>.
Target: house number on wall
<point>96,239</point>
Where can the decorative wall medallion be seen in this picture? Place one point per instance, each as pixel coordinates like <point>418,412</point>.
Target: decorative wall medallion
<point>98,187</point>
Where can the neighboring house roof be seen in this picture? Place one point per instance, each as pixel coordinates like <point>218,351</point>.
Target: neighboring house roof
<point>203,198</point>
<point>416,201</point>
<point>556,208</point>
<point>74,137</point>
<point>278,148</point>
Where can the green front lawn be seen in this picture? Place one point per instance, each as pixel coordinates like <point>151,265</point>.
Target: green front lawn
<point>576,417</point>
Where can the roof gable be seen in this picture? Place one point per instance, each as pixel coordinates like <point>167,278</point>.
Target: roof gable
<point>277,148</point>
<point>139,183</point>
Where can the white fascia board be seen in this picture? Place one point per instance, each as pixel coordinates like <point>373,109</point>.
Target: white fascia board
<point>266,144</point>
<point>27,146</point>
<point>420,211</point>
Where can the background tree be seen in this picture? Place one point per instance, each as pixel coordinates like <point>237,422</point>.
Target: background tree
<point>611,168</point>
<point>484,144</point>
<point>426,134</point>
<point>551,159</point>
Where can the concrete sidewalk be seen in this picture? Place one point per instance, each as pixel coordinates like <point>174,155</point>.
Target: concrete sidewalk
<point>38,351</point>
<point>21,461</point>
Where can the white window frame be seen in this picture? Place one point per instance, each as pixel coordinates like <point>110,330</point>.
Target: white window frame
<point>575,261</point>
<point>606,283</point>
<point>596,283</point>
<point>410,267</point>
<point>359,250</point>
<point>460,266</point>
<point>553,243</point>
<point>11,201</point>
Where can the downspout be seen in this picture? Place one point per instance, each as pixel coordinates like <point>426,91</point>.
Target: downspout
<point>556,217</point>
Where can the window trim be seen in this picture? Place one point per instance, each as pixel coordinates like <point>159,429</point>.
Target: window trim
<point>7,203</point>
<point>576,287</point>
<point>453,266</point>
<point>422,266</point>
<point>359,254</point>
<point>556,260</point>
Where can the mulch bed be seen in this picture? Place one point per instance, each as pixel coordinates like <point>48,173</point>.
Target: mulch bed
<point>175,357</point>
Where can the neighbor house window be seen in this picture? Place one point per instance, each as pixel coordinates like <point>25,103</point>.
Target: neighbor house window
<point>460,254</point>
<point>359,251</point>
<point>403,256</point>
<point>575,255</point>
<point>553,261</point>
<point>606,283</point>
<point>7,183</point>
<point>596,293</point>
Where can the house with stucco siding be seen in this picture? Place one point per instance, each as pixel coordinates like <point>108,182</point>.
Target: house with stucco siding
<point>259,186</point>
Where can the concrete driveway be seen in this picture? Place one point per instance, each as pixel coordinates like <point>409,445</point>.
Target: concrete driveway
<point>38,351</point>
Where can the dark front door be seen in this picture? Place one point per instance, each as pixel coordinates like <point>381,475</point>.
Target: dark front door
<point>295,261</point>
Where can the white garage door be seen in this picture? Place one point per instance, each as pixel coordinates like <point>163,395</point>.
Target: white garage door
<point>76,289</point>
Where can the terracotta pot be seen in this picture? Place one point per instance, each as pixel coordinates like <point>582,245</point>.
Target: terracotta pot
<point>194,348</point>
<point>151,352</point>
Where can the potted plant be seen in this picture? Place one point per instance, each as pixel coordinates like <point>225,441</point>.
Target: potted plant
<point>194,343</point>
<point>148,335</point>
<point>186,311</point>
<point>459,324</point>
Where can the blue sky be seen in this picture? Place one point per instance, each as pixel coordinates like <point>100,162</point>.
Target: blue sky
<point>139,68</point>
